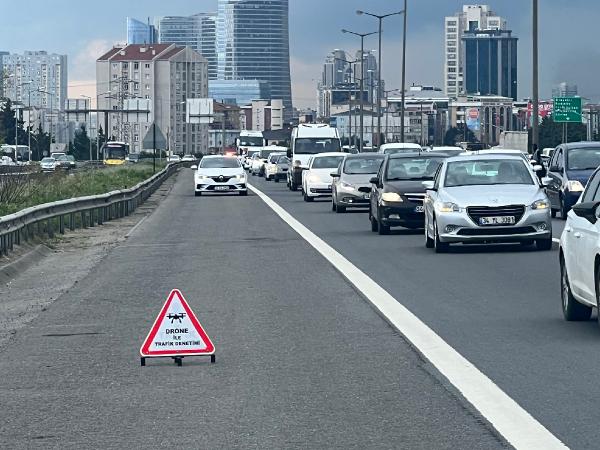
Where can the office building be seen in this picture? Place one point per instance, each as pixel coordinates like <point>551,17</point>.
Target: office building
<point>239,92</point>
<point>253,44</point>
<point>564,90</point>
<point>197,31</point>
<point>165,75</point>
<point>368,72</point>
<point>263,115</point>
<point>35,76</point>
<point>472,17</point>
<point>335,70</point>
<point>139,32</point>
<point>490,63</point>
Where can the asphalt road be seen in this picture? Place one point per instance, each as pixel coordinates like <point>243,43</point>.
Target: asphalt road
<point>302,360</point>
<point>499,306</point>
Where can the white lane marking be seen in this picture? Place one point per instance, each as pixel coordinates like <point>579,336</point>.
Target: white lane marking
<point>515,424</point>
<point>137,225</point>
<point>557,240</point>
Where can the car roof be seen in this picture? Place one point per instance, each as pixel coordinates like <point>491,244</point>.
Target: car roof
<point>475,157</point>
<point>416,154</point>
<point>399,145</point>
<point>216,156</point>
<point>582,144</point>
<point>363,155</point>
<point>317,155</point>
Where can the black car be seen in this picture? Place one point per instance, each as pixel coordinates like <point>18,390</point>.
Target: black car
<point>569,169</point>
<point>397,191</point>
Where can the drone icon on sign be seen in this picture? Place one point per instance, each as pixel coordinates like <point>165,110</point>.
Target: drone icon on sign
<point>175,317</point>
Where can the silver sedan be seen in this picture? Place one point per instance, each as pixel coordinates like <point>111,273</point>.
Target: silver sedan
<point>351,187</point>
<point>484,199</point>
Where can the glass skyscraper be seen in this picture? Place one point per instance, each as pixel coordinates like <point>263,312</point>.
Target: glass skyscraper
<point>253,44</point>
<point>197,31</point>
<point>139,32</point>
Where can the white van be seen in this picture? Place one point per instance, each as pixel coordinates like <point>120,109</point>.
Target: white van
<point>399,147</point>
<point>309,139</point>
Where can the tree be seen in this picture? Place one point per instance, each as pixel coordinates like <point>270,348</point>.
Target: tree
<point>458,134</point>
<point>81,144</point>
<point>40,143</point>
<point>551,132</point>
<point>7,125</point>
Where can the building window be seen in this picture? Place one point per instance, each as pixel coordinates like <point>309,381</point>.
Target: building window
<point>451,23</point>
<point>452,76</point>
<point>451,69</point>
<point>451,83</point>
<point>451,30</point>
<point>452,63</point>
<point>147,65</point>
<point>147,87</point>
<point>136,137</point>
<point>452,49</point>
<point>125,65</point>
<point>136,86</point>
<point>136,66</point>
<point>147,76</point>
<point>451,55</point>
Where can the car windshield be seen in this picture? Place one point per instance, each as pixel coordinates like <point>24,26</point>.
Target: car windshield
<point>327,162</point>
<point>48,160</point>
<point>62,158</point>
<point>251,141</point>
<point>311,146</point>
<point>264,154</point>
<point>487,172</point>
<point>417,168</point>
<point>219,163</point>
<point>251,153</point>
<point>282,159</point>
<point>587,158</point>
<point>362,165</point>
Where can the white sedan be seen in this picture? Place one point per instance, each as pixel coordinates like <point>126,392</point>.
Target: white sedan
<point>317,180</point>
<point>219,174</point>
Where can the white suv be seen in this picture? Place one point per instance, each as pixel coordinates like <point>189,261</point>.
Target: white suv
<point>580,254</point>
<point>219,174</point>
<point>317,180</point>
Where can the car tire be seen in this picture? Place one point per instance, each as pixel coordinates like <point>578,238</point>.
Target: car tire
<point>382,228</point>
<point>543,244</point>
<point>197,194</point>
<point>293,186</point>
<point>374,223</point>
<point>563,210</point>
<point>428,241</point>
<point>276,180</point>
<point>333,205</point>
<point>307,198</point>
<point>267,178</point>
<point>243,193</point>
<point>553,213</point>
<point>439,246</point>
<point>572,309</point>
<point>340,209</point>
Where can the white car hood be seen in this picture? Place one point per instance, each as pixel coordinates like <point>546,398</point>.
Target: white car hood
<point>216,172</point>
<point>323,174</point>
<point>493,195</point>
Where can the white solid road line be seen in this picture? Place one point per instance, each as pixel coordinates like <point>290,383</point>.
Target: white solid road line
<point>556,240</point>
<point>515,424</point>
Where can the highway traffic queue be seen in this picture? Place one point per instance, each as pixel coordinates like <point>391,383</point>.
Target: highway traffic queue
<point>455,196</point>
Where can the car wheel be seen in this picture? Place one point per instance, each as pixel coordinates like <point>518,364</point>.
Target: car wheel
<point>428,241</point>
<point>307,198</point>
<point>340,209</point>
<point>553,213</point>
<point>440,247</point>
<point>572,309</point>
<point>382,229</point>
<point>276,180</point>
<point>374,223</point>
<point>333,205</point>
<point>563,210</point>
<point>544,244</point>
<point>243,193</point>
<point>293,186</point>
<point>197,194</point>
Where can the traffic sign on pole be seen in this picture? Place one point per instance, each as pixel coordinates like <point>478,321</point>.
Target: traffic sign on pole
<point>567,109</point>
<point>154,139</point>
<point>176,333</point>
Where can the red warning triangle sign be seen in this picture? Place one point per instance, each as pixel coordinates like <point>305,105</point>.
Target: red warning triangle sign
<point>176,331</point>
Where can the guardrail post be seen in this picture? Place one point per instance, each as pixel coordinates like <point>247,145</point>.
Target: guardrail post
<point>61,224</point>
<point>3,250</point>
<point>50,229</point>
<point>83,224</point>
<point>10,241</point>
<point>92,224</point>
<point>99,214</point>
<point>72,221</point>
<point>18,236</point>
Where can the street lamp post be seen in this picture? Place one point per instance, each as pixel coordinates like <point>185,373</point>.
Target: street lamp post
<point>90,129</point>
<point>380,18</point>
<point>98,123</point>
<point>28,83</point>
<point>403,75</point>
<point>535,96</point>
<point>362,77</point>
<point>350,105</point>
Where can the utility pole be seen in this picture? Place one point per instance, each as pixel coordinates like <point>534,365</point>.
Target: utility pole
<point>535,97</point>
<point>403,75</point>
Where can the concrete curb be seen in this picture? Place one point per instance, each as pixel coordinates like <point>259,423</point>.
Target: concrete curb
<point>10,271</point>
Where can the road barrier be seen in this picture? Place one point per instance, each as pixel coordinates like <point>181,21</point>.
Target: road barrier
<point>50,218</point>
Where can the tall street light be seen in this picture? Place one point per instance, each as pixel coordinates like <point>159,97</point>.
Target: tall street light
<point>350,106</point>
<point>535,96</point>
<point>87,97</point>
<point>380,17</point>
<point>28,83</point>
<point>362,81</point>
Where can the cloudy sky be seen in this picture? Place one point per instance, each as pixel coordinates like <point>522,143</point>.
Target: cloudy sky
<point>569,50</point>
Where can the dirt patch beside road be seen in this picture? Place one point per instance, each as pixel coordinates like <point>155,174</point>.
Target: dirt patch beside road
<point>72,257</point>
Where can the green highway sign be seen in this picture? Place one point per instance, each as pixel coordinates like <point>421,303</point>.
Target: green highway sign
<point>567,109</point>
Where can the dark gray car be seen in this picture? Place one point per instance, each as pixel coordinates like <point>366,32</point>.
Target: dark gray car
<point>351,187</point>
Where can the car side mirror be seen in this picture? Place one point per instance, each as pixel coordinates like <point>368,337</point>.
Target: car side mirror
<point>289,153</point>
<point>374,180</point>
<point>546,181</point>
<point>428,185</point>
<point>587,210</point>
<point>193,167</point>
<point>334,175</point>
<point>537,168</point>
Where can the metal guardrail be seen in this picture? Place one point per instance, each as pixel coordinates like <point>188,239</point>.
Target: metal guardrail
<point>50,218</point>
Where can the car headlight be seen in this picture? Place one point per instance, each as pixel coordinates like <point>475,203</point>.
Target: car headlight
<point>313,179</point>
<point>540,204</point>
<point>447,207</point>
<point>241,176</point>
<point>575,186</point>
<point>347,185</point>
<point>202,177</point>
<point>391,197</point>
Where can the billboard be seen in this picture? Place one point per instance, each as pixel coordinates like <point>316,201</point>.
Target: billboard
<point>472,119</point>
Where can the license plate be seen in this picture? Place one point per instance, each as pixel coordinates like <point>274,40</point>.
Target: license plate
<point>221,188</point>
<point>497,220</point>
<point>420,209</point>
<point>367,196</point>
